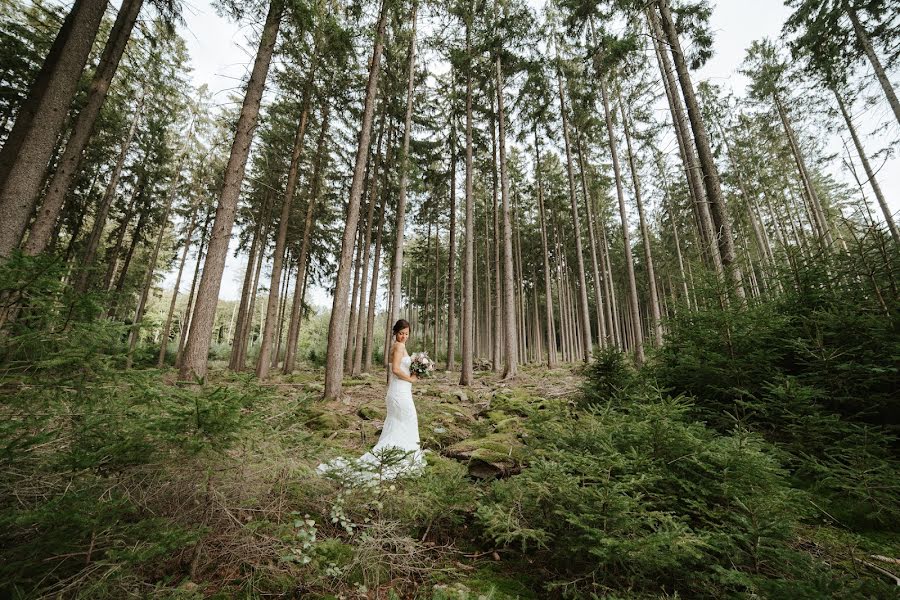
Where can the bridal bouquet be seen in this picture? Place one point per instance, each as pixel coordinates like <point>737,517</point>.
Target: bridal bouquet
<point>421,365</point>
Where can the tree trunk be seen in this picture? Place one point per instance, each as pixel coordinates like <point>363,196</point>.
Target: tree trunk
<point>645,231</point>
<point>451,252</point>
<point>818,214</point>
<point>589,201</point>
<point>195,364</point>
<point>510,345</point>
<point>337,327</point>
<point>290,357</point>
<point>866,43</point>
<point>576,226</point>
<point>151,270</point>
<point>707,163</point>
<point>870,174</point>
<point>188,309</point>
<point>548,295</point>
<point>626,238</point>
<point>373,290</point>
<point>112,254</point>
<point>265,349</point>
<point>356,295</point>
<point>468,291</point>
<point>70,162</point>
<point>686,150</point>
<point>356,367</point>
<point>87,258</point>
<point>164,340</point>
<point>29,146</point>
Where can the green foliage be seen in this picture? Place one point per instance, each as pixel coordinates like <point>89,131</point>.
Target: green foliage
<point>640,497</point>
<point>608,376</point>
<point>792,370</point>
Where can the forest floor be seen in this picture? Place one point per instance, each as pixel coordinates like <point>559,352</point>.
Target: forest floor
<point>273,525</point>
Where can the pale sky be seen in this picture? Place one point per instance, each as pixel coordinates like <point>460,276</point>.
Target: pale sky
<point>220,56</point>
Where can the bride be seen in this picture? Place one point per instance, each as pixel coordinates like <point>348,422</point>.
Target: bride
<point>397,451</point>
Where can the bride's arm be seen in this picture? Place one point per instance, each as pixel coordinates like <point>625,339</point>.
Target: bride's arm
<point>396,357</point>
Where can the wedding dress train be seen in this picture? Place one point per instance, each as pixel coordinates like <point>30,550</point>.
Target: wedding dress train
<point>397,451</point>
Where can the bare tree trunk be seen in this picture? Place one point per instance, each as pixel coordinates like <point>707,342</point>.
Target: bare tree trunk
<point>251,283</point>
<point>281,310</point>
<point>265,349</point>
<point>236,343</point>
<point>645,231</point>
<point>373,290</point>
<point>290,358</point>
<point>87,258</point>
<point>589,201</point>
<point>686,150</point>
<point>866,43</point>
<point>367,247</point>
<point>468,308</point>
<point>82,129</point>
<point>707,162</point>
<point>188,310</point>
<point>818,214</point>
<point>870,174</point>
<point>29,146</point>
<point>510,346</point>
<point>197,349</point>
<point>112,254</point>
<point>356,294</point>
<point>576,226</point>
<point>626,238</point>
<point>164,340</point>
<point>548,295</point>
<point>134,334</point>
<point>337,330</point>
<point>451,255</point>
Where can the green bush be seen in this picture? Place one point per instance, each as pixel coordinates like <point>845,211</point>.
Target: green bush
<point>638,496</point>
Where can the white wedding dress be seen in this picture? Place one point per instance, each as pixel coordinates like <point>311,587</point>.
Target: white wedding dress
<point>397,451</point>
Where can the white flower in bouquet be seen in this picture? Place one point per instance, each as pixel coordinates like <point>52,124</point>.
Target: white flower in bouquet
<point>421,365</point>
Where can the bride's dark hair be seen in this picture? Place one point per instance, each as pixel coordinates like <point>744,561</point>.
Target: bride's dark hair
<point>400,325</point>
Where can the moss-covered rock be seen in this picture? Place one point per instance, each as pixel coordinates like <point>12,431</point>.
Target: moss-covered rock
<point>494,455</point>
<point>369,412</point>
<point>326,422</point>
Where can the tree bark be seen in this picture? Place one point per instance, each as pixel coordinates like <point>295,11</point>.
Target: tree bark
<point>552,361</point>
<point>626,238</point>
<point>686,150</point>
<point>576,227</point>
<point>356,367</point>
<point>188,309</point>
<point>164,340</point>
<point>87,258</point>
<point>645,231</point>
<point>451,254</point>
<point>265,349</point>
<point>373,290</point>
<point>356,295</point>
<point>818,214</point>
<point>337,327</point>
<point>870,174</point>
<point>589,201</point>
<point>151,270</point>
<point>707,163</point>
<point>194,366</point>
<point>30,144</point>
<point>290,358</point>
<point>510,345</point>
<point>83,128</point>
<point>468,308</point>
<point>866,43</point>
